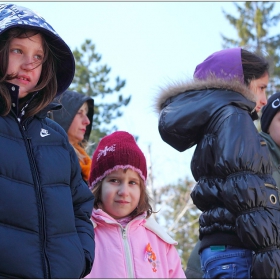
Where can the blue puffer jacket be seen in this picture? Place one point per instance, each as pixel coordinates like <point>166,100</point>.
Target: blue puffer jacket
<point>45,206</point>
<point>45,228</point>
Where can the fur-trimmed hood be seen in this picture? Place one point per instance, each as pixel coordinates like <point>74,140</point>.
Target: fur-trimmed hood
<point>175,88</point>
<point>185,109</point>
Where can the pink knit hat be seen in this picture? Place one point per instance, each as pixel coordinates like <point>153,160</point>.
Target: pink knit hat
<point>117,150</point>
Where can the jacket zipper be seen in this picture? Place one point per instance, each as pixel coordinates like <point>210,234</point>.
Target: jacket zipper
<point>271,186</point>
<point>35,175</point>
<point>127,253</point>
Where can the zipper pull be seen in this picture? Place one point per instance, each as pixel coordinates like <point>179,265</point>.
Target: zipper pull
<point>124,233</point>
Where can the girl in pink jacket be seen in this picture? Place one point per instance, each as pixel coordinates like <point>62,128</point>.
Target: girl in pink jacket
<point>129,242</point>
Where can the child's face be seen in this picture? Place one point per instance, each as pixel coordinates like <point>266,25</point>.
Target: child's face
<point>77,129</point>
<point>120,193</point>
<point>25,61</point>
<point>258,87</point>
<point>274,129</point>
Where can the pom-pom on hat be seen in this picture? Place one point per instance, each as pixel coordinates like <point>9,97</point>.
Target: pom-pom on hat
<point>114,151</point>
<point>225,64</point>
<point>270,110</point>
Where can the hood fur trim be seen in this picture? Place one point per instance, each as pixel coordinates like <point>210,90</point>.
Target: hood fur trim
<point>177,87</point>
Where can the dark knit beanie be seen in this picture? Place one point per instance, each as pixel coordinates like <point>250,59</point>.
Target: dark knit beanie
<point>270,110</point>
<point>117,150</point>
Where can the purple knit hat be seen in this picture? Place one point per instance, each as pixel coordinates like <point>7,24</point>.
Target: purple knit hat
<point>225,64</point>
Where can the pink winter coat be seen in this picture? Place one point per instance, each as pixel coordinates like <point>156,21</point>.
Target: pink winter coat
<point>140,250</point>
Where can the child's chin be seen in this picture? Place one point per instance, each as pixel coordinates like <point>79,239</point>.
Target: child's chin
<point>22,94</point>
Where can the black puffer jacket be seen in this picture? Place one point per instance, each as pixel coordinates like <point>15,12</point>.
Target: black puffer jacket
<point>235,189</point>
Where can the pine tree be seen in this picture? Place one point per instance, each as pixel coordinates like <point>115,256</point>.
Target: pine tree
<point>253,25</point>
<point>91,78</point>
<point>179,216</point>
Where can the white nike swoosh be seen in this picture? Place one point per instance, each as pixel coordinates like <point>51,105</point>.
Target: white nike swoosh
<point>43,134</point>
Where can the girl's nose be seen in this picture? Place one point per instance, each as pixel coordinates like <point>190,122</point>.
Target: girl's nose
<point>28,64</point>
<point>86,120</point>
<point>123,190</point>
<point>264,100</point>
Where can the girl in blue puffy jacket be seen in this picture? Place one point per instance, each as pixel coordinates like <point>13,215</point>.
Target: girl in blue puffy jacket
<point>240,221</point>
<point>45,205</point>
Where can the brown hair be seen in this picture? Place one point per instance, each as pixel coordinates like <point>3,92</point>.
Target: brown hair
<point>47,84</point>
<point>254,66</point>
<point>144,201</point>
<point>84,144</point>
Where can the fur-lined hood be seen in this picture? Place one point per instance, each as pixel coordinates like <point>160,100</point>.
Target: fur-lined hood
<point>185,109</point>
<point>175,88</point>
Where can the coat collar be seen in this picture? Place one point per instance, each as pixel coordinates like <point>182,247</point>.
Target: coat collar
<point>99,216</point>
<point>14,92</point>
<point>175,88</point>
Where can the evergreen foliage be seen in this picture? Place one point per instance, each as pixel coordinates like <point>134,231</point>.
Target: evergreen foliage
<point>92,79</point>
<point>180,216</point>
<point>253,25</point>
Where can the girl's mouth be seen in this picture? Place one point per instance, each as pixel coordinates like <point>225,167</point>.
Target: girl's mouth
<point>23,78</point>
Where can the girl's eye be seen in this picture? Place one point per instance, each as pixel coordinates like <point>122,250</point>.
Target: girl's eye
<point>16,51</point>
<point>39,57</point>
<point>80,113</point>
<point>113,180</point>
<point>133,183</point>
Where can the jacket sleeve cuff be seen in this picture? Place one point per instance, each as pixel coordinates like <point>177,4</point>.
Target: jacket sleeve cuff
<point>88,265</point>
